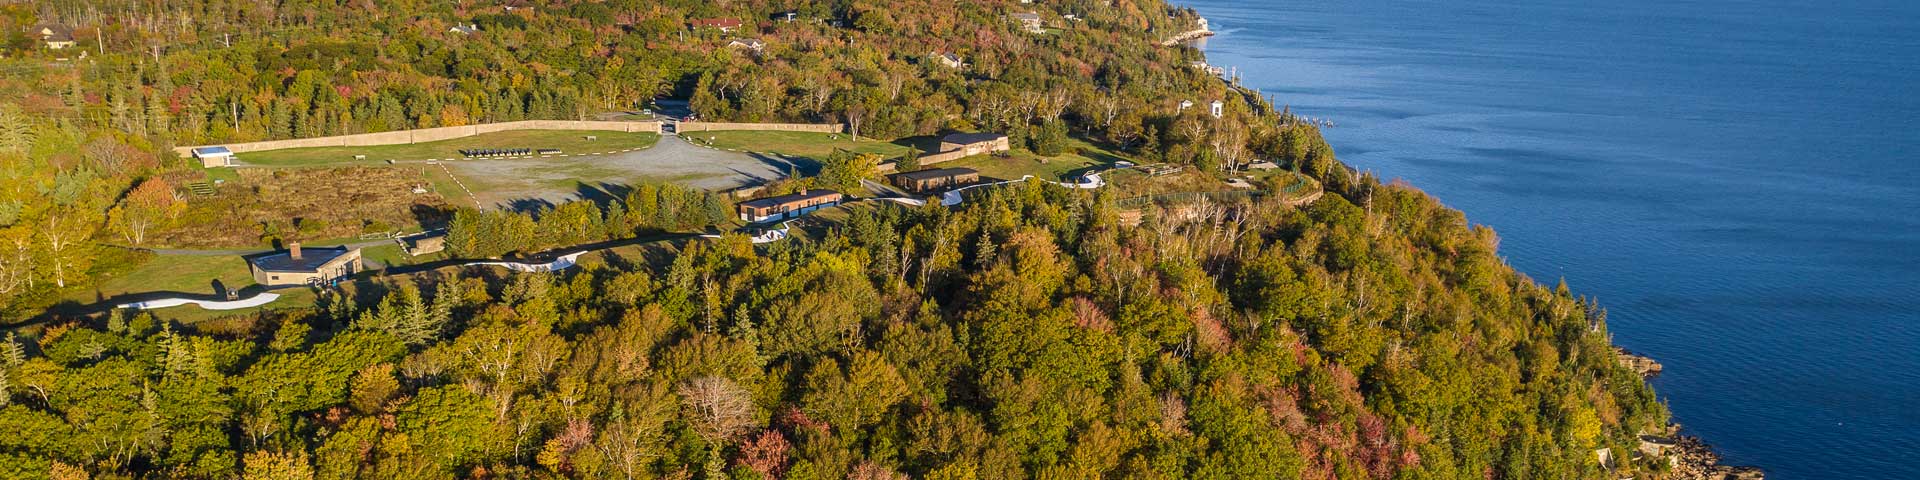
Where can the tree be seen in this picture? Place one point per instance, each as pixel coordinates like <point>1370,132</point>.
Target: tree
<point>844,170</point>
<point>908,162</point>
<point>720,409</point>
<point>150,205</point>
<point>266,465</point>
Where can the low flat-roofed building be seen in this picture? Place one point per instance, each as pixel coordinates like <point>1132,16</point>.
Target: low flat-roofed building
<point>975,143</point>
<point>787,206</point>
<point>320,266</point>
<point>214,156</point>
<point>928,181</point>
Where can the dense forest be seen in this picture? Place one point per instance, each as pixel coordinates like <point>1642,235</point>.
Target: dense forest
<point>1032,333</point>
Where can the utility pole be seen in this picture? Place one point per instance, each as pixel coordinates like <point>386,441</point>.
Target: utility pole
<point>226,39</point>
<point>99,41</point>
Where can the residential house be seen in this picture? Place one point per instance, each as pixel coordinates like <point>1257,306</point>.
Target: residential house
<point>724,25</point>
<point>787,206</point>
<point>929,181</point>
<point>215,156</point>
<point>321,266</point>
<point>56,37</point>
<point>950,60</point>
<point>467,29</point>
<point>975,143</point>
<point>1030,21</point>
<point>747,43</point>
<point>787,16</point>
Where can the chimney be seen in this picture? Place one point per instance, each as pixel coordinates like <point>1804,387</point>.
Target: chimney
<point>293,250</point>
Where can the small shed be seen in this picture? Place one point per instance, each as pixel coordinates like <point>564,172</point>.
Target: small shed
<point>214,156</point>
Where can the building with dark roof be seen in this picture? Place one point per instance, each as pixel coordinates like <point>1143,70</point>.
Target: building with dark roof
<point>975,143</point>
<point>787,206</point>
<point>320,266</point>
<point>929,181</point>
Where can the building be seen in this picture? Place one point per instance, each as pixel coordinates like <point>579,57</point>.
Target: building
<point>724,25</point>
<point>320,266</point>
<point>950,60</point>
<point>974,143</point>
<point>423,244</point>
<point>55,36</point>
<point>929,181</point>
<point>215,156</point>
<point>1030,21</point>
<point>753,45</point>
<point>787,206</point>
<point>787,16</point>
<point>467,29</point>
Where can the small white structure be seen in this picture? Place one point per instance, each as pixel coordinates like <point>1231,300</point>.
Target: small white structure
<point>950,60</point>
<point>1184,105</point>
<point>215,156</point>
<point>1218,108</point>
<point>754,45</point>
<point>467,29</point>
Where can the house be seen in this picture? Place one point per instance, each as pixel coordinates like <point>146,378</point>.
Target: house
<point>321,266</point>
<point>950,60</point>
<point>928,181</point>
<point>747,43</point>
<point>975,143</point>
<point>215,156</point>
<point>467,29</point>
<point>724,25</point>
<point>1030,21</point>
<point>55,36</point>
<point>1218,109</point>
<point>787,206</point>
<point>787,16</point>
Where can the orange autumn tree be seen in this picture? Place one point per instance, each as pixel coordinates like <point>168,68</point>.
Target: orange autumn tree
<point>149,206</point>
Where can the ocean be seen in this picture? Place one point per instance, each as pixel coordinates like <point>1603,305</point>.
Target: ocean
<point>1736,181</point>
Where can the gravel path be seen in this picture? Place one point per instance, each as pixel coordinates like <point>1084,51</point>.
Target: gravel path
<point>531,182</point>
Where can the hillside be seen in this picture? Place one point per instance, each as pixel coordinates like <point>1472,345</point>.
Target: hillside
<point>1030,333</point>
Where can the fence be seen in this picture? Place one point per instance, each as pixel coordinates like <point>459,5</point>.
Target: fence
<point>684,127</point>
<point>431,135</point>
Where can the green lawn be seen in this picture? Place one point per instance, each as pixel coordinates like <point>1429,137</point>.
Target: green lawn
<point>181,273</point>
<point>798,144</point>
<point>567,141</point>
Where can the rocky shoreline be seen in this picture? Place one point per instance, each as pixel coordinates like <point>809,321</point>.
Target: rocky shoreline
<point>1690,457</point>
<point>1187,36</point>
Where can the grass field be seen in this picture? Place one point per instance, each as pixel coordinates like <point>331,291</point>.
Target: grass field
<point>567,141</point>
<point>798,144</point>
<point>1080,156</point>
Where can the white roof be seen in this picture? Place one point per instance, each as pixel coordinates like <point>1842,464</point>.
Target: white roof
<point>215,151</point>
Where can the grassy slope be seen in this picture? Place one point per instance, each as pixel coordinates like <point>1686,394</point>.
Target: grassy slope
<point>1080,156</point>
<point>568,141</point>
<point>799,144</point>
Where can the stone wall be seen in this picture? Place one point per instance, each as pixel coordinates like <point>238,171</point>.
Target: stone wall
<point>784,127</point>
<point>431,135</point>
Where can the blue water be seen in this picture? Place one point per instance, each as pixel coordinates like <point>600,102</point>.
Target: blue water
<point>1736,181</point>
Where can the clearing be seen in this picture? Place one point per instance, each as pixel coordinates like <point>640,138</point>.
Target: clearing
<point>812,145</point>
<point>572,142</point>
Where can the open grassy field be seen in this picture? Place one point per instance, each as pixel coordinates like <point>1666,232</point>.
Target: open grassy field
<point>798,144</point>
<point>1080,156</point>
<point>332,202</point>
<point>567,141</point>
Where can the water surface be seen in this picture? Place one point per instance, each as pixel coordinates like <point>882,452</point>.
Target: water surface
<point>1735,180</point>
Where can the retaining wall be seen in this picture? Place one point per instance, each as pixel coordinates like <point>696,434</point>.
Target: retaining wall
<point>431,135</point>
<point>784,127</point>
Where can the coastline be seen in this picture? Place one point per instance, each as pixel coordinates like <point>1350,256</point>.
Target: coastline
<point>1690,456</point>
<point>1187,36</point>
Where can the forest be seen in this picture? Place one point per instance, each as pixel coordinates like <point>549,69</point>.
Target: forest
<point>1031,333</point>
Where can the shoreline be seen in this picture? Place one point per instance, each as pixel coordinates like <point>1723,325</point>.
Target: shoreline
<point>1689,455</point>
<point>1187,36</point>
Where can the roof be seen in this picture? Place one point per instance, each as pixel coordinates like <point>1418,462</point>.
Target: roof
<point>746,42</point>
<point>212,151</point>
<point>311,259</point>
<point>789,198</point>
<point>938,173</point>
<point>716,22</point>
<point>972,138</point>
